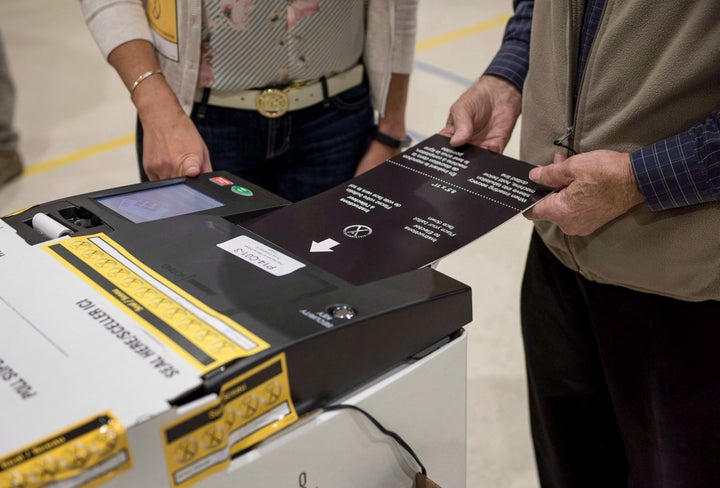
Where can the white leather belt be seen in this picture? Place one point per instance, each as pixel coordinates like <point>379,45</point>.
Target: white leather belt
<point>274,102</point>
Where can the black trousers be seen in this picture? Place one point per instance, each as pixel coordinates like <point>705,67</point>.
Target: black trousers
<point>624,387</point>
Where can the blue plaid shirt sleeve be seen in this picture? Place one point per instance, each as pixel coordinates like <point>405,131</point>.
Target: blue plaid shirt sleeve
<point>511,61</point>
<point>683,169</point>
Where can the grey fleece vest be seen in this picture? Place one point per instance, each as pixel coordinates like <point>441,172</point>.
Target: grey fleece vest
<point>654,71</point>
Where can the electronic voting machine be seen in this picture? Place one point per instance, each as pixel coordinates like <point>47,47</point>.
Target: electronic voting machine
<point>202,315</point>
<point>156,307</point>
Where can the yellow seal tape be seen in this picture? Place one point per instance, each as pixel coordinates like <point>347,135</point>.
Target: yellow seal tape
<point>248,409</point>
<point>203,336</point>
<point>87,454</point>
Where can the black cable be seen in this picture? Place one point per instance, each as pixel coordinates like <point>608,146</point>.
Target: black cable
<point>382,429</point>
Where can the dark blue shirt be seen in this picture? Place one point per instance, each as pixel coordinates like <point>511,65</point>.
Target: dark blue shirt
<point>680,170</point>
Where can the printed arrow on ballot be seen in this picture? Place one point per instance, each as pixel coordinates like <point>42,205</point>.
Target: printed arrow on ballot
<point>324,246</point>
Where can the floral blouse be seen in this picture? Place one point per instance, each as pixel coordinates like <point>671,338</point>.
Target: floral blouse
<point>260,43</point>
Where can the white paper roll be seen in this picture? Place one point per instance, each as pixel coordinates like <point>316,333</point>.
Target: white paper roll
<point>48,226</point>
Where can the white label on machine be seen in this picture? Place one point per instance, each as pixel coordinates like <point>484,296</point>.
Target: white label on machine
<point>260,255</point>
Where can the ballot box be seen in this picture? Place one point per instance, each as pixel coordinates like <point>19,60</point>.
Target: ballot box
<point>421,400</point>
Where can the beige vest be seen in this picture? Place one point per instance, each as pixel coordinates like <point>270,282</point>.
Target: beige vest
<point>654,71</point>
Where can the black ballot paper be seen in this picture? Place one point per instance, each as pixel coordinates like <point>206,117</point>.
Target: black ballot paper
<point>408,212</point>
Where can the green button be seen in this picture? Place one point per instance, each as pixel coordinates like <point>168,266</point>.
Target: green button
<point>241,190</point>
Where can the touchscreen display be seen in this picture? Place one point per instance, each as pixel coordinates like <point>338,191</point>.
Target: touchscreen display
<point>159,203</point>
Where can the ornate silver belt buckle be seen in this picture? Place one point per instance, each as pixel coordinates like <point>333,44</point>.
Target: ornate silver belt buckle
<point>272,103</point>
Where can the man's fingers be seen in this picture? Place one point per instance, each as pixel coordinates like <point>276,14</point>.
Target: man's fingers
<point>540,210</point>
<point>461,124</point>
<point>554,175</point>
<point>449,128</point>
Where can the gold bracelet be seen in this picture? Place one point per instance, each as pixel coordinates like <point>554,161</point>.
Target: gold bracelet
<point>142,78</point>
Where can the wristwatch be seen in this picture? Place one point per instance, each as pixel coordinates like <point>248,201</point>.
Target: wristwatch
<point>389,140</point>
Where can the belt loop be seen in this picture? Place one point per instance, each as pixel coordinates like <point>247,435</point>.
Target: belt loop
<point>325,91</point>
<point>202,106</point>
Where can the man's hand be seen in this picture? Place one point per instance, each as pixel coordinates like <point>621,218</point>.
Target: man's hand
<point>485,114</point>
<point>594,188</point>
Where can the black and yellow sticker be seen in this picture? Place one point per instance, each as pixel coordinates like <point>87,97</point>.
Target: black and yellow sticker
<point>203,336</point>
<point>248,409</point>
<point>87,454</point>
<point>162,15</point>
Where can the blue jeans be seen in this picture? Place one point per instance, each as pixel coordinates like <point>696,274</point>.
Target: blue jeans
<point>297,155</point>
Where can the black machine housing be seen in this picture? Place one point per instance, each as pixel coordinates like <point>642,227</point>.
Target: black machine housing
<point>389,321</point>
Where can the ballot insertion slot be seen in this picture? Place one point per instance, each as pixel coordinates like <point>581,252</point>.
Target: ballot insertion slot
<point>81,217</point>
